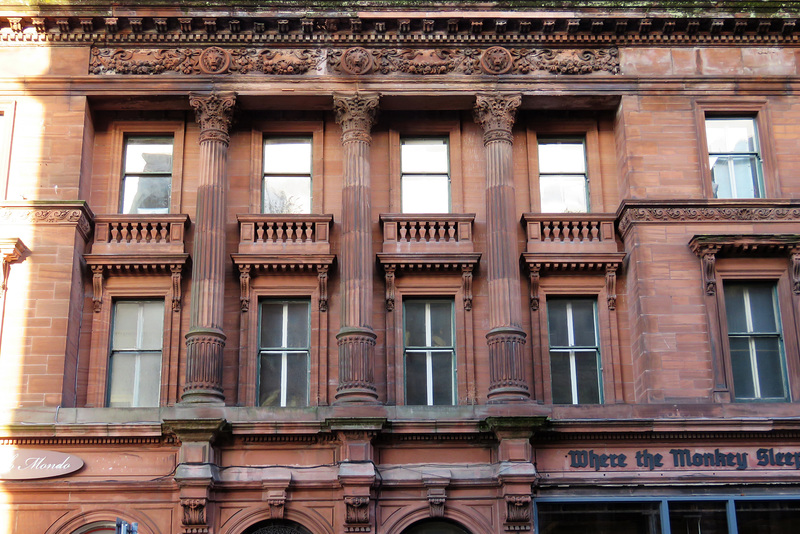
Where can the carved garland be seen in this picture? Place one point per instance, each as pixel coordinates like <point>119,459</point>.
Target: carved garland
<point>356,61</point>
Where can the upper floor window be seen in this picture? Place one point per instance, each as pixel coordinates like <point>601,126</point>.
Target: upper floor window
<point>574,351</point>
<point>284,353</point>
<point>425,175</point>
<point>147,174</point>
<point>134,376</point>
<point>755,340</point>
<point>429,352</point>
<point>563,180</point>
<point>287,175</point>
<point>734,157</point>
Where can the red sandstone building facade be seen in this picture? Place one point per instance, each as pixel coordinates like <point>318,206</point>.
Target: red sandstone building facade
<point>400,269</point>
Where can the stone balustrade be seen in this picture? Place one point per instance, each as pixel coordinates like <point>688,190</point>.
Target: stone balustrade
<point>118,234</point>
<point>421,232</point>
<point>270,234</point>
<point>584,232</point>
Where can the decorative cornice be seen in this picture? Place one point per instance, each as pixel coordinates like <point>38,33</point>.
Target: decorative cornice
<point>630,29</point>
<point>42,212</point>
<point>426,262</point>
<point>356,115</point>
<point>496,113</point>
<point>214,113</point>
<point>762,210</point>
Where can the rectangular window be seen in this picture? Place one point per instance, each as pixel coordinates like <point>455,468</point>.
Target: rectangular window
<point>287,175</point>
<point>734,157</point>
<point>574,351</point>
<point>134,377</point>
<point>147,174</point>
<point>429,352</point>
<point>284,353</point>
<point>754,336</point>
<point>425,175</point>
<point>563,181</point>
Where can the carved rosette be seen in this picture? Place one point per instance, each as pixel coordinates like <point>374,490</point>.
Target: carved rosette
<point>496,114</point>
<point>214,113</point>
<point>356,115</point>
<point>496,60</point>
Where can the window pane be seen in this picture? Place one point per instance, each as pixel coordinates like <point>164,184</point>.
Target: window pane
<point>272,324</point>
<point>415,323</point>
<point>768,517</point>
<point>287,194</point>
<point>146,194</point>
<point>148,379</point>
<point>426,194</point>
<point>741,366</point>
<point>587,375</point>
<point>599,518</point>
<point>441,324</point>
<point>297,327</point>
<point>563,193</point>
<point>561,157</point>
<point>416,378</point>
<point>735,176</point>
<point>287,156</point>
<point>583,322</point>
<point>122,370</point>
<point>731,135</point>
<point>269,384</point>
<point>152,325</point>
<point>135,379</point>
<point>145,155</point>
<point>770,367</point>
<point>126,325</point>
<point>762,306</point>
<point>557,323</point>
<point>424,156</point>
<point>735,308</point>
<point>698,517</point>
<point>442,365</point>
<point>297,379</point>
<point>561,377</point>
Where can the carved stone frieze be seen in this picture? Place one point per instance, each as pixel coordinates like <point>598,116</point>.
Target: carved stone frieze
<point>31,215</point>
<point>354,61</point>
<point>212,60</point>
<point>634,215</point>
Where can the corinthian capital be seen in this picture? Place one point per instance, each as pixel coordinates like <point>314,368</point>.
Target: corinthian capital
<point>495,112</point>
<point>356,115</point>
<point>214,113</point>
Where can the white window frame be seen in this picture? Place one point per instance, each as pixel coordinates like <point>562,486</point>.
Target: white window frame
<point>438,175</point>
<point>756,155</point>
<point>266,351</point>
<point>310,175</point>
<point>428,349</point>
<point>572,140</point>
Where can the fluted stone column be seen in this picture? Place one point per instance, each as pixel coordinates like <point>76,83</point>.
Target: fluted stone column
<point>356,115</point>
<point>205,340</point>
<point>496,113</point>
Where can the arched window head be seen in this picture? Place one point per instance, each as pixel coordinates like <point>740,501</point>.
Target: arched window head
<point>98,527</point>
<point>277,527</point>
<point>435,527</point>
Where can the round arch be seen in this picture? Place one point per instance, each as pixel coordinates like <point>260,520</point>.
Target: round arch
<point>277,526</point>
<point>74,523</point>
<point>249,517</point>
<point>435,526</point>
<point>464,517</point>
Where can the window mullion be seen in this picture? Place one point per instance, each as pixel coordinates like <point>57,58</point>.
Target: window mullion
<point>428,355</point>
<point>284,344</point>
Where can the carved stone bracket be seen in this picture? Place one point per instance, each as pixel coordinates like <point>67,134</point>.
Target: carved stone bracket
<point>518,512</point>
<point>322,277</point>
<point>611,286</point>
<point>466,280</point>
<point>12,250</point>
<point>214,113</point>
<point>276,499</point>
<point>795,270</point>
<point>534,279</point>
<point>390,273</point>
<point>357,514</point>
<point>496,113</point>
<point>194,516</point>
<point>395,264</point>
<point>244,287</point>
<point>356,115</point>
<point>176,271</point>
<point>98,276</point>
<point>436,499</point>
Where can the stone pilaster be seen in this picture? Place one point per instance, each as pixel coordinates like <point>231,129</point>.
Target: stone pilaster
<point>356,115</point>
<point>496,113</point>
<point>205,340</point>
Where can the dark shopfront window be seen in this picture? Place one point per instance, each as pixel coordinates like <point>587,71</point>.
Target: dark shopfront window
<point>670,516</point>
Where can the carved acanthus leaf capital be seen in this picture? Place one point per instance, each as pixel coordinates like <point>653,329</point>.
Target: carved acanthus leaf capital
<point>214,113</point>
<point>496,113</point>
<point>356,115</point>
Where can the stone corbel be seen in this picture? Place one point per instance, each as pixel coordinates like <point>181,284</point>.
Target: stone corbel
<point>611,286</point>
<point>357,514</point>
<point>795,270</point>
<point>437,483</point>
<point>98,276</point>
<point>708,257</point>
<point>390,274</point>
<point>276,499</point>
<point>466,277</point>
<point>518,512</point>
<point>194,516</point>
<point>244,287</point>
<point>534,275</point>
<point>322,275</point>
<point>176,286</point>
<point>12,251</point>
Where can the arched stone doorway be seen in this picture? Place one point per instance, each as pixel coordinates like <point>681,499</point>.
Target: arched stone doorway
<point>277,527</point>
<point>435,526</point>
<point>98,527</point>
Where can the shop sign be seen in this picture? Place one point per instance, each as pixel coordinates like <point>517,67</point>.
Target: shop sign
<point>27,464</point>
<point>683,458</point>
